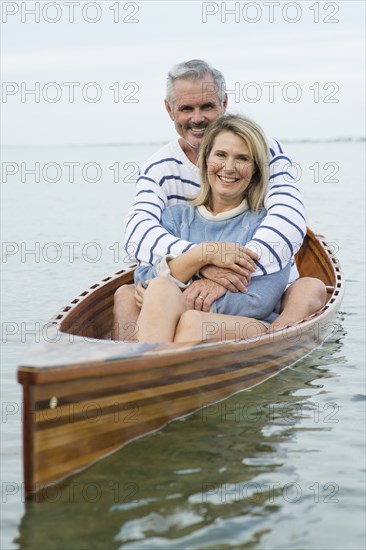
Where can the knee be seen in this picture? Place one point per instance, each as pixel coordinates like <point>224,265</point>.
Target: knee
<point>191,317</point>
<point>309,292</point>
<point>190,326</point>
<point>161,286</point>
<point>316,292</point>
<point>158,283</point>
<point>123,294</point>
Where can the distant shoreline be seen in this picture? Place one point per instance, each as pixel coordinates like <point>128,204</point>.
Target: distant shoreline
<point>161,143</point>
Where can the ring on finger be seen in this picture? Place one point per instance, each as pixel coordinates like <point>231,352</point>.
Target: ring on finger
<point>201,297</point>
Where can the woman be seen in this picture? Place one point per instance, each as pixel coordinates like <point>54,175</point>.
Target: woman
<point>233,166</point>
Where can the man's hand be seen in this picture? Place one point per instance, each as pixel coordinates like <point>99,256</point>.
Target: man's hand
<point>228,255</point>
<point>226,278</point>
<point>201,294</point>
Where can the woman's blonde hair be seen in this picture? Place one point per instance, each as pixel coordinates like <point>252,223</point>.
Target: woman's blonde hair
<point>253,136</point>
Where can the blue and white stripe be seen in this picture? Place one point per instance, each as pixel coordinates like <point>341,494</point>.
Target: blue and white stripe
<point>168,178</point>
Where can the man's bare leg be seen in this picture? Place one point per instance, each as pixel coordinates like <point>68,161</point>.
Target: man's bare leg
<point>199,326</point>
<point>161,310</point>
<point>303,298</point>
<point>125,314</point>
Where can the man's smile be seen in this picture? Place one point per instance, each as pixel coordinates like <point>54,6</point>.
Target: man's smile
<point>200,130</point>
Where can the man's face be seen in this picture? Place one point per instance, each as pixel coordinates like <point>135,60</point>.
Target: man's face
<point>195,105</point>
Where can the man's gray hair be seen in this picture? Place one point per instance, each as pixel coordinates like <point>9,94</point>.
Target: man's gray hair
<point>195,69</point>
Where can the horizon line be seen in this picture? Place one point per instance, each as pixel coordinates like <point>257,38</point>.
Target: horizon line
<point>157,143</point>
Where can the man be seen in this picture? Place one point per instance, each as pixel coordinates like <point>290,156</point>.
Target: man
<point>195,97</point>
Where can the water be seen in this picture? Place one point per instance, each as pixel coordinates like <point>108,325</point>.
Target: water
<point>278,467</point>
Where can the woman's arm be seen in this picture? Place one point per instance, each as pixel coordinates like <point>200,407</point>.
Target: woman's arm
<point>221,254</point>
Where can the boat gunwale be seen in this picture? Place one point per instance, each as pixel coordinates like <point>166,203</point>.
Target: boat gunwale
<point>61,317</point>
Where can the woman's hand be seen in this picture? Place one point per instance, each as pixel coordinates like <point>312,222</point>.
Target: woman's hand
<point>229,255</point>
<point>139,294</point>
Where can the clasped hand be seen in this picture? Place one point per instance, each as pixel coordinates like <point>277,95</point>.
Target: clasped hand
<point>228,255</point>
<point>229,267</point>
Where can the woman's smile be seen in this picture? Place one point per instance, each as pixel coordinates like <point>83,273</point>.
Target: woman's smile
<point>226,179</point>
<point>230,168</point>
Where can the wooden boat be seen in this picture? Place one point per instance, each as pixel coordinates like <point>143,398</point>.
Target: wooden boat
<point>85,396</point>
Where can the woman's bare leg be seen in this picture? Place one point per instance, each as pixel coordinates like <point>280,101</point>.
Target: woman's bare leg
<point>161,310</point>
<point>198,326</point>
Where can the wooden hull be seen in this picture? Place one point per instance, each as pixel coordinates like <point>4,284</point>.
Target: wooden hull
<point>85,396</point>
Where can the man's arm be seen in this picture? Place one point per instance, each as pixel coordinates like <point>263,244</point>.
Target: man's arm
<point>145,238</point>
<point>221,254</point>
<point>166,178</point>
<point>282,231</point>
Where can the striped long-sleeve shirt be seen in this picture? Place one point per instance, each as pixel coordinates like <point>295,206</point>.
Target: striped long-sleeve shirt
<point>168,177</point>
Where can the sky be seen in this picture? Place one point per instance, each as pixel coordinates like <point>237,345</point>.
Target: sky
<point>76,72</point>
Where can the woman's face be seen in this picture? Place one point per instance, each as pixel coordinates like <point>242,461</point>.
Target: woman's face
<point>230,168</point>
